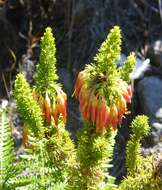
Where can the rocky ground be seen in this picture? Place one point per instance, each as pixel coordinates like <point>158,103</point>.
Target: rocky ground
<point>80,26</point>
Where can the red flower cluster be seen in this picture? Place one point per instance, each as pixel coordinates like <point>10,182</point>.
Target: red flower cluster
<point>52,110</point>
<point>94,108</point>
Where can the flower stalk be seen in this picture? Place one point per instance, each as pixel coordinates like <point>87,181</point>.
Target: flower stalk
<point>103,96</point>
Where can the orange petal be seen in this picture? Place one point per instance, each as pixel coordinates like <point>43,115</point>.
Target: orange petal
<point>126,91</point>
<point>84,93</point>
<point>88,106</point>
<point>83,98</point>
<point>122,107</point>
<point>48,109</point>
<point>113,116</point>
<point>107,118</point>
<point>83,105</point>
<point>129,90</point>
<point>79,83</point>
<point>84,111</point>
<point>61,105</point>
<point>55,113</point>
<point>42,105</point>
<point>100,128</point>
<point>93,109</point>
<point>103,113</point>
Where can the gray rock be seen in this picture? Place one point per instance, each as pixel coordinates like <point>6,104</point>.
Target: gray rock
<point>156,150</point>
<point>155,53</point>
<point>149,92</point>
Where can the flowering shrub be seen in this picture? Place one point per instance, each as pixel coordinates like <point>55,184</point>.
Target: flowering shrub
<point>103,95</point>
<point>94,107</point>
<point>51,160</point>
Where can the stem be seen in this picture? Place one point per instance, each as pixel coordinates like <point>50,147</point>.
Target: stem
<point>94,154</point>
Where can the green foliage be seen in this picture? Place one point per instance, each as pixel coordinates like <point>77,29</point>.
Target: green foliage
<point>140,170</point>
<point>46,69</point>
<point>93,155</point>
<point>127,68</point>
<point>40,169</point>
<point>9,169</point>
<point>50,155</point>
<point>6,150</point>
<point>51,161</point>
<point>27,107</point>
<point>102,80</point>
<point>103,75</point>
<point>140,129</point>
<point>109,52</point>
<point>61,150</point>
<point>48,163</point>
<point>143,179</point>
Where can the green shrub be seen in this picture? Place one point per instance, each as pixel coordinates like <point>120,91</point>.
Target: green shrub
<point>51,160</point>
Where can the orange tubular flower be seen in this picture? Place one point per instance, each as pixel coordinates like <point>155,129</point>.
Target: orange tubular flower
<point>84,109</point>
<point>55,113</point>
<point>126,96</point>
<point>79,83</point>
<point>52,111</point>
<point>61,104</point>
<point>99,127</point>
<point>129,90</point>
<point>113,116</point>
<point>83,106</point>
<point>42,105</point>
<point>107,118</point>
<point>86,105</point>
<point>96,110</point>
<point>93,109</point>
<point>83,93</point>
<point>122,107</point>
<point>88,113</point>
<point>127,93</point>
<point>103,113</point>
<point>83,96</point>
<point>47,109</point>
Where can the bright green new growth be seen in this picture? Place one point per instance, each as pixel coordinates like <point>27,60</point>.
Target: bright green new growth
<point>103,74</point>
<point>94,151</point>
<point>127,68</point>
<point>140,170</point>
<point>46,69</point>
<point>94,154</point>
<point>140,129</point>
<point>28,108</point>
<point>62,154</point>
<point>109,52</point>
<point>51,155</point>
